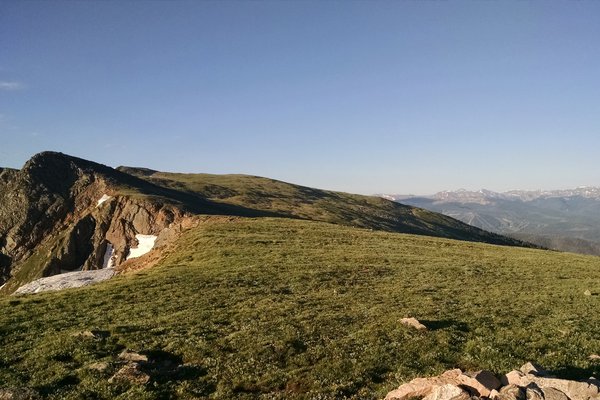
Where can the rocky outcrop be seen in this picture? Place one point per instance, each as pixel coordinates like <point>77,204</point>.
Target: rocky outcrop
<point>63,214</point>
<point>480,383</point>
<point>528,383</point>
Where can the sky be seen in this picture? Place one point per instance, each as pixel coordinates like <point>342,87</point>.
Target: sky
<point>404,96</point>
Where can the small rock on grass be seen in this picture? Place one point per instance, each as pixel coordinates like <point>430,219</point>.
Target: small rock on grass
<point>92,334</point>
<point>130,373</point>
<point>129,355</point>
<point>98,366</point>
<point>414,323</point>
<point>19,394</point>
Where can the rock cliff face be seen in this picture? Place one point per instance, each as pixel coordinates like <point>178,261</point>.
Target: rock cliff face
<point>60,214</point>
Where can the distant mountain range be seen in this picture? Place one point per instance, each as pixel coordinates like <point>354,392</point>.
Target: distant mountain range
<point>567,220</point>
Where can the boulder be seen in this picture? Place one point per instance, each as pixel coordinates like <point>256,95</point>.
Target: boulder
<point>512,378</point>
<point>553,394</point>
<point>447,392</point>
<point>480,383</point>
<point>419,387</point>
<point>486,382</point>
<point>573,389</point>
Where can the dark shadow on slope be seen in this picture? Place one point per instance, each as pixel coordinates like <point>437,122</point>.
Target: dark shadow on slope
<point>163,367</point>
<point>435,325</point>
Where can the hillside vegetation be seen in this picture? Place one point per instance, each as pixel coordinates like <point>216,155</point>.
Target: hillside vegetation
<point>283,199</point>
<point>281,309</point>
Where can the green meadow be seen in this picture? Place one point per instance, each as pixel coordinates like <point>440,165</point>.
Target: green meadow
<point>275,308</point>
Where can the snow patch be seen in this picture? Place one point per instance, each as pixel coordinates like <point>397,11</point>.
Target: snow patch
<point>65,281</point>
<point>145,244</point>
<point>109,259</point>
<point>103,199</point>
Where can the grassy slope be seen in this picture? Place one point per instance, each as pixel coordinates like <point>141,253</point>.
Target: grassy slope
<point>294,201</point>
<point>278,308</point>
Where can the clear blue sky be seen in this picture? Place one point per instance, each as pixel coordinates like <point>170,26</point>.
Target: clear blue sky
<point>367,97</point>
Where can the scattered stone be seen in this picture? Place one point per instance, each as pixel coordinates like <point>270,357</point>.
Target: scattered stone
<point>94,334</point>
<point>19,394</point>
<point>587,293</point>
<point>128,355</point>
<point>130,373</point>
<point>98,366</point>
<point>447,392</point>
<point>414,323</point>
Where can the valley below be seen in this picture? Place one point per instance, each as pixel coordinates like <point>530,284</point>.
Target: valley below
<point>565,220</point>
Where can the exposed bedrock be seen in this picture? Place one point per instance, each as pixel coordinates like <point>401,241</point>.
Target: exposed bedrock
<point>62,214</point>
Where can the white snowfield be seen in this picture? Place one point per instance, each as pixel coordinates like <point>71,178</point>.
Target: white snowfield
<point>145,244</point>
<point>103,199</point>
<point>66,281</point>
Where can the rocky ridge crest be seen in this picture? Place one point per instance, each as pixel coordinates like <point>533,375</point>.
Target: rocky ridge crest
<point>63,214</point>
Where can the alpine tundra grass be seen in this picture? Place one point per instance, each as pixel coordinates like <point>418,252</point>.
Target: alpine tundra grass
<point>283,309</point>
